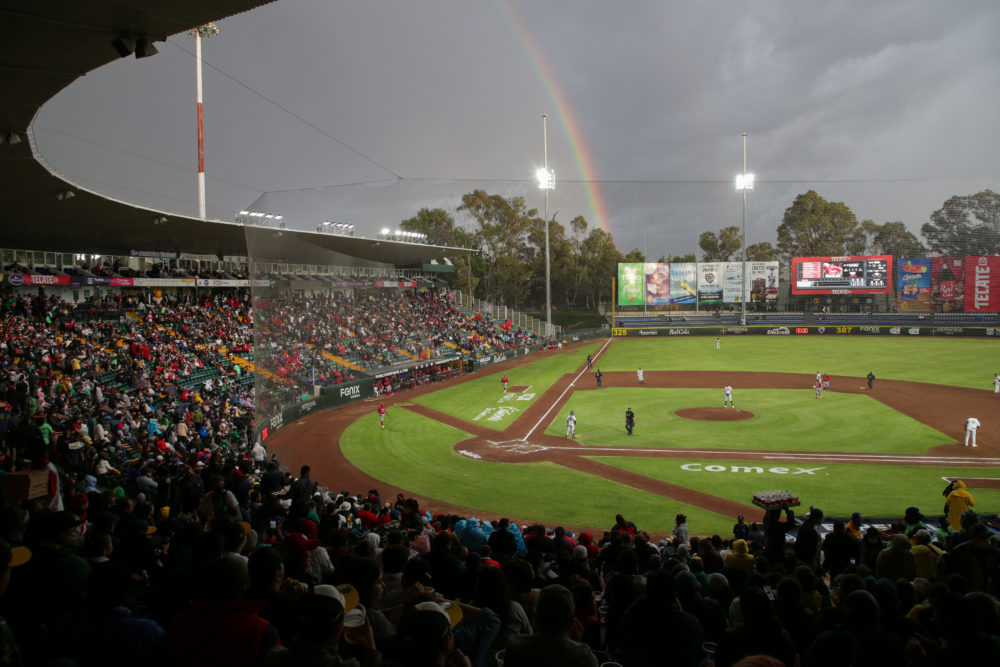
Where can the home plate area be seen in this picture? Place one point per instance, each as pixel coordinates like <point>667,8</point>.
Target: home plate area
<point>518,446</point>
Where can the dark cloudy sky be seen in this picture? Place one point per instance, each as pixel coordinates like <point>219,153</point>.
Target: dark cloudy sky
<point>363,112</point>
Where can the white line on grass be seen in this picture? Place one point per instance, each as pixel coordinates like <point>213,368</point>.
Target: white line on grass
<point>556,402</point>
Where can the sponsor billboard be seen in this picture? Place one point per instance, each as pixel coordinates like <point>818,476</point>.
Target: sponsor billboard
<point>683,282</point>
<point>657,278</point>
<point>710,283</point>
<point>947,284</point>
<point>630,284</point>
<point>982,284</point>
<point>870,274</point>
<point>762,281</point>
<point>732,281</point>
<point>913,284</point>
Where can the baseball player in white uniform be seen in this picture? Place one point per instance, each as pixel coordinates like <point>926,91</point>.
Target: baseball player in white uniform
<point>996,383</point>
<point>571,425</point>
<point>727,398</point>
<point>639,375</point>
<point>971,426</point>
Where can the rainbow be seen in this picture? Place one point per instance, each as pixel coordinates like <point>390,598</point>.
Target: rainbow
<point>561,108</point>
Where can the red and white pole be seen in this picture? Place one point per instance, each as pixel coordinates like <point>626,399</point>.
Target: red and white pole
<point>201,129</point>
<point>206,30</point>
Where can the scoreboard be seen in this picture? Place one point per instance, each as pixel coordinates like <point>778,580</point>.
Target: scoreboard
<point>842,275</point>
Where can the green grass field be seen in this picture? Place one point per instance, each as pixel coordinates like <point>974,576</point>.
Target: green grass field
<point>418,454</point>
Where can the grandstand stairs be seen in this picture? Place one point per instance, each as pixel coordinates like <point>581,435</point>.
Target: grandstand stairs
<point>343,362</point>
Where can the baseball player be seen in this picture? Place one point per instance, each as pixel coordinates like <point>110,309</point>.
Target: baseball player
<point>639,375</point>
<point>571,425</point>
<point>819,378</point>
<point>629,420</point>
<point>871,380</point>
<point>971,426</point>
<point>504,382</point>
<point>996,384</point>
<point>718,343</point>
<point>598,376</point>
<point>819,388</point>
<point>590,361</point>
<point>381,415</point>
<point>727,397</point>
<point>826,382</point>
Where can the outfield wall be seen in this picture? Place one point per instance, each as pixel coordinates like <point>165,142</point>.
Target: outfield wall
<point>829,330</point>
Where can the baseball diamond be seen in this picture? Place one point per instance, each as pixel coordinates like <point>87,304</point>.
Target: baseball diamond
<point>526,440</point>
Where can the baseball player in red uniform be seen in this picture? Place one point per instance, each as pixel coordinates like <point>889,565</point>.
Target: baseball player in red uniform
<point>504,382</point>
<point>819,388</point>
<point>381,415</point>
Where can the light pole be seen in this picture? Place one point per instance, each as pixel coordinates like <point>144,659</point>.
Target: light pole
<point>744,182</point>
<point>546,182</point>
<point>206,30</point>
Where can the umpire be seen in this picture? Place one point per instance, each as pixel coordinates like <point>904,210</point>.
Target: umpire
<point>629,420</point>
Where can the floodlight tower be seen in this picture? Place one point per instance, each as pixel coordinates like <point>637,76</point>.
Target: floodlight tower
<point>744,183</point>
<point>546,182</point>
<point>206,30</point>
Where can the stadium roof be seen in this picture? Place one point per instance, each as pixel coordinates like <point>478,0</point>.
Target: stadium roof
<point>45,46</point>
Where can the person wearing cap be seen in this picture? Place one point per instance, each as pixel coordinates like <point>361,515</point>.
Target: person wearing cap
<point>426,635</point>
<point>571,424</point>
<point>320,621</point>
<point>551,643</point>
<point>629,420</point>
<point>853,527</point>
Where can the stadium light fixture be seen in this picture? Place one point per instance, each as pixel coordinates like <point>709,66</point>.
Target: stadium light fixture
<point>744,183</point>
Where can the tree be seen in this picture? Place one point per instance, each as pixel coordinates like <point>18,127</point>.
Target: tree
<point>502,237</point>
<point>892,238</point>
<point>677,258</point>
<point>599,260</point>
<point>966,225</point>
<point>761,252</point>
<point>436,223</point>
<point>814,227</point>
<point>724,247</point>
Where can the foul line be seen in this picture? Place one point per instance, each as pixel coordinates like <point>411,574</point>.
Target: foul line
<point>570,386</point>
<point>819,456</point>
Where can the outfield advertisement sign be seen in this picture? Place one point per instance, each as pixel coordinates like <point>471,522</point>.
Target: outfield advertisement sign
<point>708,284</point>
<point>968,284</point>
<point>657,287</point>
<point>630,284</point>
<point>763,281</point>
<point>759,330</point>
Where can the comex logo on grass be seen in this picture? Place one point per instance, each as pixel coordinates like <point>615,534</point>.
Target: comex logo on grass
<point>697,467</point>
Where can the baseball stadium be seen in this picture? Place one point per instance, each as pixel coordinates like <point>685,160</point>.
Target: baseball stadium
<point>174,385</point>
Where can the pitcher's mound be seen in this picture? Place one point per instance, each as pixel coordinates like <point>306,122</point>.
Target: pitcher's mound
<point>715,414</point>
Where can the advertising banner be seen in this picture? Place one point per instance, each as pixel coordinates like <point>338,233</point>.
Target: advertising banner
<point>710,283</point>
<point>657,284</point>
<point>221,282</point>
<point>37,279</point>
<point>982,284</point>
<point>630,284</point>
<point>762,283</point>
<point>683,282</point>
<point>732,281</point>
<point>947,284</point>
<point>913,284</point>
